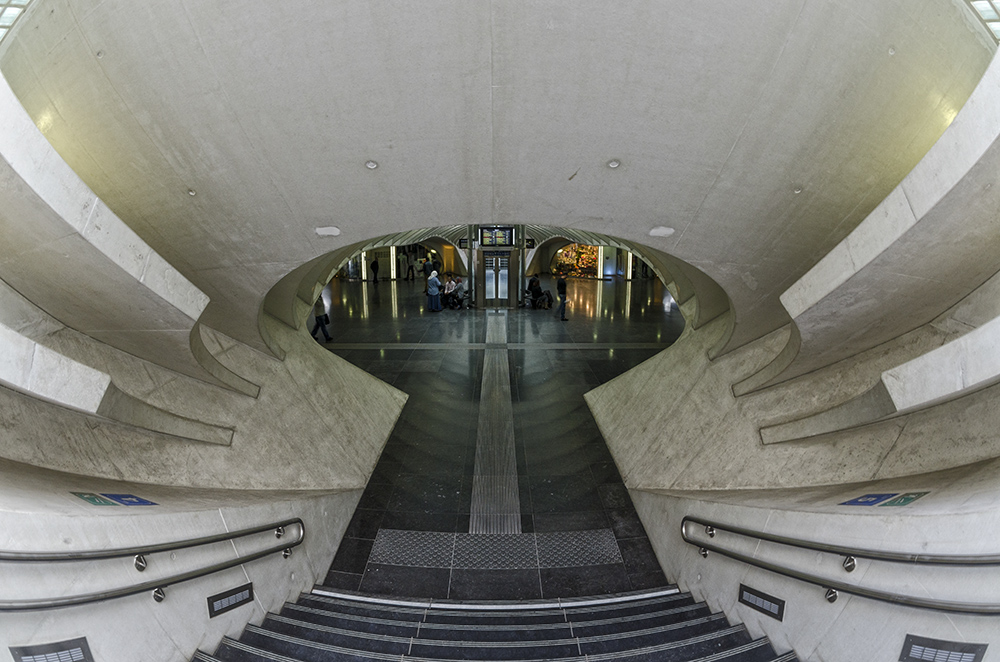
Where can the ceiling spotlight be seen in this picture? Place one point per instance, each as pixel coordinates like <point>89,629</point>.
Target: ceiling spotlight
<point>661,231</point>
<point>798,189</point>
<point>191,192</point>
<point>371,165</point>
<point>99,54</point>
<point>614,163</point>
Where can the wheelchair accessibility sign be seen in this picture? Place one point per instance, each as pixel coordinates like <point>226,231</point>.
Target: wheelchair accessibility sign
<point>869,499</point>
<point>894,499</point>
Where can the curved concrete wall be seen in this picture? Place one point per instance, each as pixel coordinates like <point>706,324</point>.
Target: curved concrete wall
<point>956,516</point>
<point>40,514</point>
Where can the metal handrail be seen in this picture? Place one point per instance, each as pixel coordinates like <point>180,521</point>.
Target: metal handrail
<point>143,549</point>
<point>878,555</point>
<point>986,609</point>
<point>156,584</point>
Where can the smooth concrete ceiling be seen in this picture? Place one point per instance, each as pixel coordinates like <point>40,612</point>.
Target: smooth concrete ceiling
<point>761,132</point>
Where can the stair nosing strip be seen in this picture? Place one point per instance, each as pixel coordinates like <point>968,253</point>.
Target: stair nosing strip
<point>673,644</point>
<point>318,644</point>
<point>513,607</point>
<point>645,631</point>
<point>450,643</point>
<point>750,645</point>
<point>501,627</point>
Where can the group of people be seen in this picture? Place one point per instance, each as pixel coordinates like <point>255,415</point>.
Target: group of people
<point>543,298</point>
<point>451,293</point>
<point>407,267</point>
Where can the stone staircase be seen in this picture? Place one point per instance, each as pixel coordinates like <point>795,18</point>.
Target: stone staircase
<point>659,626</point>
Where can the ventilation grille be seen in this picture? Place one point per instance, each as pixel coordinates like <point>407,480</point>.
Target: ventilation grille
<point>922,649</point>
<point>223,602</point>
<point>762,602</point>
<point>73,650</point>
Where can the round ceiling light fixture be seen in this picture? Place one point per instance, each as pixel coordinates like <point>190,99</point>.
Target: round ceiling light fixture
<point>192,192</point>
<point>614,163</point>
<point>371,165</point>
<point>798,189</point>
<point>661,231</point>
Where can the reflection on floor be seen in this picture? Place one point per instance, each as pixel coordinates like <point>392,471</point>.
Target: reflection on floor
<point>415,532</point>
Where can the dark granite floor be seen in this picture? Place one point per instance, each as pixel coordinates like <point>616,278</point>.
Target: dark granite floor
<point>579,532</point>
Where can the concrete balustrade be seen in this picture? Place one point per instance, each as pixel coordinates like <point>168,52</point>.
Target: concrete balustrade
<point>55,229</point>
<point>956,516</point>
<point>39,371</point>
<point>927,245</point>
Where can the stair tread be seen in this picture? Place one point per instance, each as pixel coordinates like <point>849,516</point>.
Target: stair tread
<point>657,627</point>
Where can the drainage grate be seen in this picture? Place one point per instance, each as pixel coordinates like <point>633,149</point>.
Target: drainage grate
<point>223,602</point>
<point>923,649</point>
<point>762,602</point>
<point>73,650</point>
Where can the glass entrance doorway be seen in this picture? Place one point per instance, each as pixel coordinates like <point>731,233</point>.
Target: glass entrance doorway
<point>497,278</point>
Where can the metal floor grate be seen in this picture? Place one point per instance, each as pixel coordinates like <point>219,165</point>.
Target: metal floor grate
<point>431,549</point>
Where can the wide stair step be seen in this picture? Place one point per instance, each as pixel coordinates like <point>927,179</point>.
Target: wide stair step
<point>662,626</point>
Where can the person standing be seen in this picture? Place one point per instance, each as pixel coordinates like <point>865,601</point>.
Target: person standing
<point>561,291</point>
<point>434,293</point>
<point>458,294</point>
<point>409,267</point>
<point>375,270</point>
<point>319,310</point>
<point>427,268</point>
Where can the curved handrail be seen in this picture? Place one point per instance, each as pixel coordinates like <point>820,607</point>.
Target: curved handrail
<point>145,549</point>
<point>878,555</point>
<point>52,603</point>
<point>985,609</point>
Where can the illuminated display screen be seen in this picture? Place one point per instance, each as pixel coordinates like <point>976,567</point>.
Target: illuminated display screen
<point>496,236</point>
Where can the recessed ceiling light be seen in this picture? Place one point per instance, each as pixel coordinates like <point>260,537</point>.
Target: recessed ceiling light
<point>371,165</point>
<point>100,54</point>
<point>614,163</point>
<point>191,191</point>
<point>661,231</point>
<point>798,189</point>
<point>328,231</point>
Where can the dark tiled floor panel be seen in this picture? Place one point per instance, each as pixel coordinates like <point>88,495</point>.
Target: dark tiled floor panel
<point>567,485</point>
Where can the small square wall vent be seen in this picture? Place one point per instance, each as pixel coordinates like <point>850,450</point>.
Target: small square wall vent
<point>923,649</point>
<point>762,602</point>
<point>73,650</point>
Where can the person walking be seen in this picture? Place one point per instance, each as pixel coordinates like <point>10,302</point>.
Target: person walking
<point>375,270</point>
<point>561,291</point>
<point>434,293</point>
<point>319,310</point>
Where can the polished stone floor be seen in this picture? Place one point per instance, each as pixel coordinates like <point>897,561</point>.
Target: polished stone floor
<point>559,521</point>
